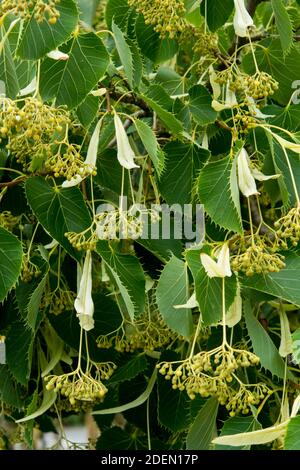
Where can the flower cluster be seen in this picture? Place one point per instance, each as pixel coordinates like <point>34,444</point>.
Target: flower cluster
<point>127,224</point>
<point>58,301</point>
<point>32,130</point>
<point>40,9</point>
<point>85,240</point>
<point>148,333</point>
<point>213,373</point>
<point>29,270</point>
<point>288,227</point>
<point>256,254</point>
<point>8,220</point>
<point>204,44</point>
<point>66,161</point>
<point>82,386</point>
<point>167,16</point>
<point>259,86</point>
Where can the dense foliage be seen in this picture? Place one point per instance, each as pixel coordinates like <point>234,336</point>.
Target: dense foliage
<point>169,342</point>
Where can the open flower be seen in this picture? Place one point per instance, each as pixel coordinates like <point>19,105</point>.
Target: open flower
<point>219,268</point>
<point>242,19</point>
<point>84,304</point>
<point>248,175</point>
<point>125,153</point>
<point>89,165</point>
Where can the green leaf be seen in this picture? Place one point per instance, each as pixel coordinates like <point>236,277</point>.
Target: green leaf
<point>174,407</point>
<point>116,439</point>
<point>58,210</point>
<point>203,429</point>
<point>26,71</point>
<point>151,145</point>
<point>173,289</point>
<point>71,80</point>
<point>283,167</point>
<point>285,68</point>
<point>19,345</point>
<point>137,62</point>
<point>283,24</point>
<point>200,105</point>
<point>170,80</point>
<point>209,290</point>
<point>33,308</point>
<point>130,370</point>
<point>238,425</point>
<point>262,344</point>
<point>182,162</point>
<point>262,436</point>
<point>161,248</point>
<point>284,284</point>
<point>292,437</point>
<point>87,10</point>
<point>133,404</point>
<point>9,390</point>
<point>218,194</point>
<point>118,11</point>
<point>158,99</point>
<point>49,398</point>
<point>109,173</point>
<point>10,261</point>
<point>39,38</point>
<point>8,73</point>
<point>128,275</point>
<point>28,429</point>
<point>28,295</point>
<point>156,49</point>
<point>87,110</point>
<point>217,12</point>
<point>124,53</point>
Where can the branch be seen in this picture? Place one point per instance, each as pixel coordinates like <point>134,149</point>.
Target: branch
<point>15,182</point>
<point>131,99</point>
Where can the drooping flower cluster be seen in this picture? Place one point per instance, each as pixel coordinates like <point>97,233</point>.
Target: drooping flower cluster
<point>8,220</point>
<point>167,16</point>
<point>149,332</point>
<point>125,224</point>
<point>31,131</point>
<point>213,373</point>
<point>29,270</point>
<point>39,9</point>
<point>82,386</point>
<point>58,301</point>
<point>88,167</point>
<point>256,254</point>
<point>288,227</point>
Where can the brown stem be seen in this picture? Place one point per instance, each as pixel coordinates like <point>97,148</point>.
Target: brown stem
<point>223,125</point>
<point>15,182</point>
